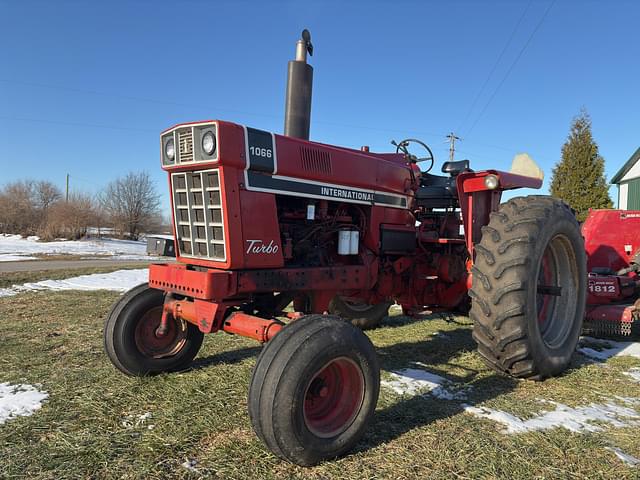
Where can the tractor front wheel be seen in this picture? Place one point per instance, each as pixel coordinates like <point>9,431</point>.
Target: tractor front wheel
<point>529,288</point>
<point>314,389</point>
<point>131,337</point>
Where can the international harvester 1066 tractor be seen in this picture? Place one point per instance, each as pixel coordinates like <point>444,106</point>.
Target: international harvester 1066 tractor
<point>263,221</point>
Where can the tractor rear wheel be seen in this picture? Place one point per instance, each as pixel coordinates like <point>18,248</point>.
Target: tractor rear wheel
<point>131,340</point>
<point>529,288</point>
<point>362,315</point>
<point>314,389</point>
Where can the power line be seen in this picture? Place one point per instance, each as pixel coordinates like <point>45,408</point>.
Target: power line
<point>495,65</point>
<point>508,72</point>
<point>180,104</point>
<point>130,128</point>
<point>74,124</point>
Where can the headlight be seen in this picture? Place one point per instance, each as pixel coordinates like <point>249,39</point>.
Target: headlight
<point>170,150</point>
<point>491,182</point>
<point>209,143</point>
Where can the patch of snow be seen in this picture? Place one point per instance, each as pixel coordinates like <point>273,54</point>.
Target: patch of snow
<point>441,335</point>
<point>608,348</point>
<point>634,373</point>
<point>577,419</point>
<point>19,400</point>
<point>14,247</point>
<point>413,381</point>
<point>135,421</point>
<point>624,457</point>
<point>118,281</point>
<point>190,464</point>
<point>9,257</point>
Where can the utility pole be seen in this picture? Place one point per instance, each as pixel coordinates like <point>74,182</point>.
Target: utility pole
<point>66,195</point>
<point>452,145</point>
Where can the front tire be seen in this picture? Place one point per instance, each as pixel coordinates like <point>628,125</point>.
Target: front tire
<point>314,389</point>
<point>529,288</point>
<point>130,339</point>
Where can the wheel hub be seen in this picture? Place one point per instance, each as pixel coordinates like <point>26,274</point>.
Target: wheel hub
<point>557,286</point>
<point>152,341</point>
<point>333,398</point>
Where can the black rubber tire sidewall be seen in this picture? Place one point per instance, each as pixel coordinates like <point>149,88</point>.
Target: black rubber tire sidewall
<point>277,390</point>
<point>552,361</point>
<point>120,329</point>
<point>505,284</point>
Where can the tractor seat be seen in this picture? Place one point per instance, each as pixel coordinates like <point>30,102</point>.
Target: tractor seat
<point>455,168</point>
<point>437,191</point>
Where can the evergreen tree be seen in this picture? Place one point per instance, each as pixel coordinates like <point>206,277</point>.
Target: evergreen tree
<point>578,178</point>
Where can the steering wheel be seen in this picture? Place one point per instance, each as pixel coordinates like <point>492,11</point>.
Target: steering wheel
<point>403,147</point>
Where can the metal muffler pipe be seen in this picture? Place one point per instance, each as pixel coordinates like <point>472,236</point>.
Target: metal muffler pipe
<point>297,111</point>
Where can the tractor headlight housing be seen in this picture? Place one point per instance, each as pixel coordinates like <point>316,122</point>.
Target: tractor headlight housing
<point>491,182</point>
<point>169,150</point>
<point>209,142</point>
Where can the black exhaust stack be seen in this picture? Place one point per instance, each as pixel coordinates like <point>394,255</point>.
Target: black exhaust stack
<point>297,110</point>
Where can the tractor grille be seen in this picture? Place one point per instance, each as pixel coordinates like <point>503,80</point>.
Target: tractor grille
<point>185,145</point>
<point>313,160</point>
<point>198,211</point>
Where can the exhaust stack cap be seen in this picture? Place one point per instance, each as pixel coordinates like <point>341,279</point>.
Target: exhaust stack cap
<point>304,46</point>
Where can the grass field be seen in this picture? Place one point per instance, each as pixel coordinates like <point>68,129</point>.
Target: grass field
<point>98,423</point>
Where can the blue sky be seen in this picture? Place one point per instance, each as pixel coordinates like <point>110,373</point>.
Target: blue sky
<point>86,87</point>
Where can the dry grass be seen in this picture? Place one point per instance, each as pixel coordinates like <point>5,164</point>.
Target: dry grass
<point>88,428</point>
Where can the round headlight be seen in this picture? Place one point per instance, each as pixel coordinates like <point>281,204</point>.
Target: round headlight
<point>170,150</point>
<point>491,182</point>
<point>209,143</point>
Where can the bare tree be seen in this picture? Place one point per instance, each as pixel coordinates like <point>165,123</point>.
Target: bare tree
<point>132,203</point>
<point>18,213</point>
<point>46,194</point>
<point>70,219</point>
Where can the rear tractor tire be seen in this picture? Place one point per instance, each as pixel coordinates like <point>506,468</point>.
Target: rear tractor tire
<point>362,315</point>
<point>529,288</point>
<point>314,389</point>
<point>130,338</point>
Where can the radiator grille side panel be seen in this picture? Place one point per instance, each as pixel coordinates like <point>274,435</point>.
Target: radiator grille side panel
<point>185,145</point>
<point>198,214</point>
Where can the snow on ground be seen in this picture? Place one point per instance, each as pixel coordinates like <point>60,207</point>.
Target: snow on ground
<point>119,281</point>
<point>624,457</point>
<point>138,421</point>
<point>19,400</point>
<point>190,464</point>
<point>634,373</point>
<point>607,348</point>
<point>580,419</point>
<point>414,381</point>
<point>14,247</point>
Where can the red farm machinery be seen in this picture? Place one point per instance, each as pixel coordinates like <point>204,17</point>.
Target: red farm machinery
<point>612,241</point>
<point>263,221</point>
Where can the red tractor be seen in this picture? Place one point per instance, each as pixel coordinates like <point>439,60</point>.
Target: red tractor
<point>263,221</point>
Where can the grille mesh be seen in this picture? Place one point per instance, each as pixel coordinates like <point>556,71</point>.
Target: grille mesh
<point>185,145</point>
<point>198,214</point>
<point>313,160</point>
